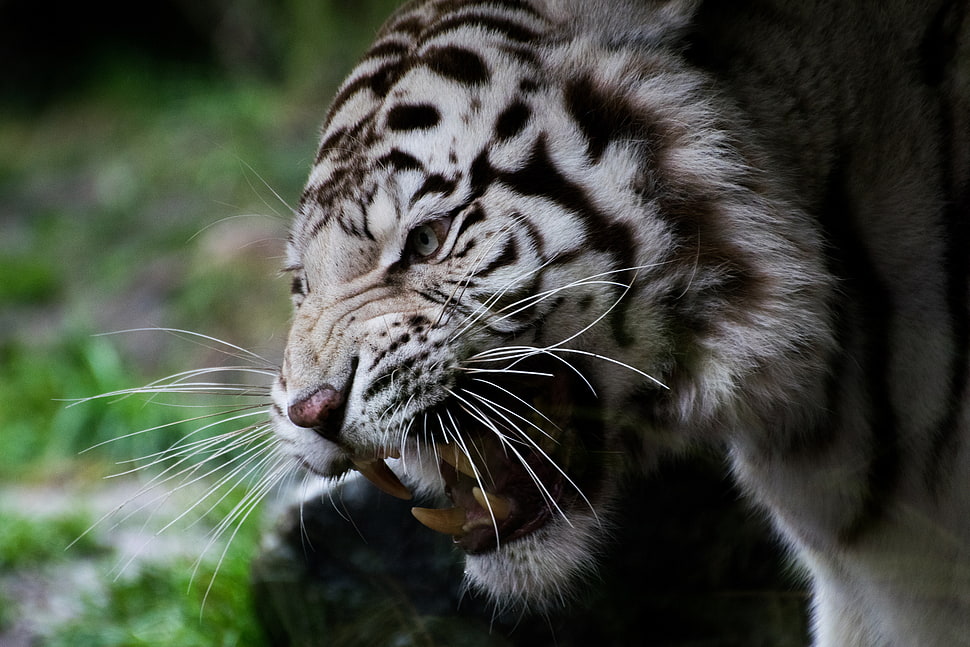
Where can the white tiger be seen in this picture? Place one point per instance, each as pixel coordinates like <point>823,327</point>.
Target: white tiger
<point>545,243</point>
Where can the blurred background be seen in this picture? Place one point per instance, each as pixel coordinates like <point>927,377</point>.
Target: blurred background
<point>149,158</point>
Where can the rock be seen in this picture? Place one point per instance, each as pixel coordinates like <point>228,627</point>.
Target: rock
<point>689,564</point>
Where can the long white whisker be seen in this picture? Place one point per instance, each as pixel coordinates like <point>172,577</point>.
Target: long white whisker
<point>177,383</point>
<point>478,478</point>
<point>240,352</point>
<point>521,400</point>
<point>543,490</point>
<point>463,285</point>
<point>240,514</point>
<point>255,451</point>
<point>260,408</point>
<point>180,447</point>
<point>530,441</point>
<point>186,473</point>
<point>516,354</point>
<point>483,309</point>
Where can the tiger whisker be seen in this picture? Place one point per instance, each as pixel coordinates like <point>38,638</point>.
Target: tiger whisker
<point>559,346</point>
<point>516,354</point>
<point>498,409</point>
<point>462,285</point>
<point>476,412</point>
<point>176,384</point>
<point>240,514</point>
<point>531,300</point>
<point>486,420</point>
<point>520,399</point>
<point>186,473</point>
<point>218,484</point>
<point>258,407</point>
<point>503,371</point>
<point>253,465</point>
<point>157,502</point>
<point>238,351</point>
<point>456,433</point>
<point>483,309</point>
<point>180,446</point>
<point>460,441</point>
<point>275,193</point>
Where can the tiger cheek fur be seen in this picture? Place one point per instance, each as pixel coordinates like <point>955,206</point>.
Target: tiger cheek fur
<point>543,245</point>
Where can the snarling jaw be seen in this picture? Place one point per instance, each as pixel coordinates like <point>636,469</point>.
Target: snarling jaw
<point>459,359</point>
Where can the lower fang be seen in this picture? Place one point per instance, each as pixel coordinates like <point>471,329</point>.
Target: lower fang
<point>450,521</point>
<point>498,507</point>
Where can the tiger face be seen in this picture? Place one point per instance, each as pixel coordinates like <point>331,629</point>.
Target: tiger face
<point>502,276</point>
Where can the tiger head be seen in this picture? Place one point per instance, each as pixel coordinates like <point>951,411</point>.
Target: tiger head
<point>515,275</point>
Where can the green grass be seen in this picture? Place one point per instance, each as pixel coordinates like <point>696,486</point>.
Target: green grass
<point>140,204</point>
<point>28,542</point>
<point>173,603</point>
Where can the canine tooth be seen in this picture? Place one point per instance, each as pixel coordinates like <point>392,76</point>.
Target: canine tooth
<point>498,506</point>
<point>378,473</point>
<point>457,459</point>
<point>449,521</point>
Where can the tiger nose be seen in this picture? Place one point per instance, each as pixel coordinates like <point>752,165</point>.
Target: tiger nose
<point>321,411</point>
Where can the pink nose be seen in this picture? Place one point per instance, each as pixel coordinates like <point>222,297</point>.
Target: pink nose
<point>320,411</point>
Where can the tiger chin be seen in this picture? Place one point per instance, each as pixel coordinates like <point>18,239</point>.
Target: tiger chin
<point>544,244</point>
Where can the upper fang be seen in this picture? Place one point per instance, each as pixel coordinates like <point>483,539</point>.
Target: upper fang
<point>378,473</point>
<point>452,455</point>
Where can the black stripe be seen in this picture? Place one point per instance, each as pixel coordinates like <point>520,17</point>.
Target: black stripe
<point>512,120</point>
<point>437,296</point>
<point>457,64</point>
<point>509,29</point>
<point>538,240</point>
<point>379,82</point>
<point>522,53</point>
<point>701,245</point>
<point>539,177</point>
<point>388,49</point>
<point>413,117</point>
<point>406,25</point>
<point>508,256</point>
<point>475,214</point>
<point>435,183</point>
<point>937,52</point>
<point>400,161</point>
<point>521,6</point>
<point>327,145</point>
<point>871,301</point>
<point>605,116</point>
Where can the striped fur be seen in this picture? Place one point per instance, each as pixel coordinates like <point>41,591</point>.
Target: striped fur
<point>565,239</point>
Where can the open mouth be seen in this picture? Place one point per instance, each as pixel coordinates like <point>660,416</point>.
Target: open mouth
<point>508,466</point>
